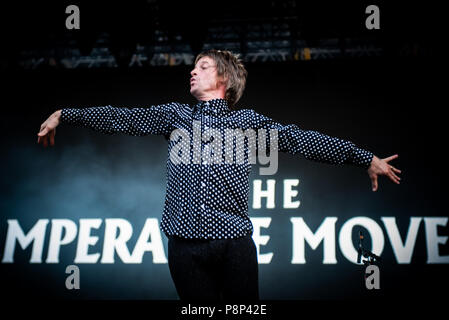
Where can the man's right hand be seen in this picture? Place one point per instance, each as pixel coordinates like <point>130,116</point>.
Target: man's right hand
<point>48,129</point>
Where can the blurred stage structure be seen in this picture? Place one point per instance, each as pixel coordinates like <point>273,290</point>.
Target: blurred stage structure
<point>167,33</point>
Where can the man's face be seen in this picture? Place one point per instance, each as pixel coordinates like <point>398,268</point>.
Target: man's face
<point>204,80</point>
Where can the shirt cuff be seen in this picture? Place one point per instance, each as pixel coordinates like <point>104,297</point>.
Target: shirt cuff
<point>70,115</point>
<point>361,157</point>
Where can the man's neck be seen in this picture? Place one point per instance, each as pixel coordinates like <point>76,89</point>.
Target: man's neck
<point>211,95</point>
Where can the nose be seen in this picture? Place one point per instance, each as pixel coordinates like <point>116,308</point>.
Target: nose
<point>193,72</point>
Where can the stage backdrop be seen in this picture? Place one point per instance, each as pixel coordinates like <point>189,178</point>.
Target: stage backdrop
<point>65,205</point>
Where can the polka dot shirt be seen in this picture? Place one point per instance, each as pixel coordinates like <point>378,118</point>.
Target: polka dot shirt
<point>207,199</point>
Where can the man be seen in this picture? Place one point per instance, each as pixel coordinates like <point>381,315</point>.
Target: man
<point>211,253</point>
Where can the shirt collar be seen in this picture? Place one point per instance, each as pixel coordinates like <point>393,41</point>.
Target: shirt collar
<point>215,107</point>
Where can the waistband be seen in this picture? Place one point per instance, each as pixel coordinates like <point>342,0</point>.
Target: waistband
<point>178,238</point>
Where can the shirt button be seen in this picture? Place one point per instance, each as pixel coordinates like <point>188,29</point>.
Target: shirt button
<point>203,184</point>
<point>206,104</point>
<point>203,207</point>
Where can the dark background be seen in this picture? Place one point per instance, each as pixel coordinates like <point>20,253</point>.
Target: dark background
<point>388,104</point>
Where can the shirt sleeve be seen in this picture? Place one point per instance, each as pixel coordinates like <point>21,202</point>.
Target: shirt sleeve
<point>157,119</point>
<point>314,145</point>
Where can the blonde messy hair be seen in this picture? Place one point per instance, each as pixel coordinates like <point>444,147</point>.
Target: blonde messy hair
<point>231,69</point>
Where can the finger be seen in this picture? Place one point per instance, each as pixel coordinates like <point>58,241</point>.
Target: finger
<point>391,158</point>
<point>43,132</point>
<point>395,170</point>
<point>374,183</point>
<point>52,137</point>
<point>391,173</point>
<point>45,138</point>
<point>393,178</point>
<point>394,175</point>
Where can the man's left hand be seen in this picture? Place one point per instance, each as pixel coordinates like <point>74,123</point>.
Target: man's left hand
<point>380,167</point>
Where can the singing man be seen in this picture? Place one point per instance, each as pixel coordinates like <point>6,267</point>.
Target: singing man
<point>211,253</point>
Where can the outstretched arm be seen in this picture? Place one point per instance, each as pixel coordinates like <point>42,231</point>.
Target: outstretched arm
<point>323,148</point>
<point>157,119</point>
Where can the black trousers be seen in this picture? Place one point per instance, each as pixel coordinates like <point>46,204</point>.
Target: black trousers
<point>214,270</point>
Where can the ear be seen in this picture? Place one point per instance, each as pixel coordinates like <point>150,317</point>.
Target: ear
<point>222,80</point>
